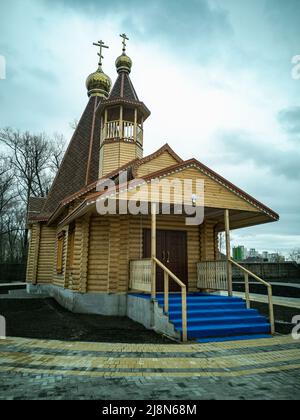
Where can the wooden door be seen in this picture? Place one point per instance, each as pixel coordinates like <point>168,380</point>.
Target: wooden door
<point>172,252</point>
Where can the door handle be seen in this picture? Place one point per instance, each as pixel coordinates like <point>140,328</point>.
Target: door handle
<point>164,255</point>
<point>168,257</point>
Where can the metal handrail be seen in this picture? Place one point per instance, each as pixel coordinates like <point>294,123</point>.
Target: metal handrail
<point>247,291</point>
<point>167,275</point>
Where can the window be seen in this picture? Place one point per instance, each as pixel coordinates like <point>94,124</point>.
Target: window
<point>71,247</point>
<point>60,253</point>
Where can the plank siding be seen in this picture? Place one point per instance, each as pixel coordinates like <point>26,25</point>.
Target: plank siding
<point>115,155</point>
<point>160,162</point>
<point>216,195</point>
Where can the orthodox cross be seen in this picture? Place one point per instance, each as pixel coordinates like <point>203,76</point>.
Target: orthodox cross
<point>125,38</point>
<point>101,45</point>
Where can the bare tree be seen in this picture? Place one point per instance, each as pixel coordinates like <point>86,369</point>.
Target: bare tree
<point>57,151</point>
<point>295,255</point>
<point>74,124</point>
<point>7,199</point>
<point>33,161</point>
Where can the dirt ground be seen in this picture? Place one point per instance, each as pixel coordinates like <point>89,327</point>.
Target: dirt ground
<point>283,316</point>
<point>45,319</point>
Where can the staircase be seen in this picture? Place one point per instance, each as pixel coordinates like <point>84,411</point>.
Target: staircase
<point>217,318</point>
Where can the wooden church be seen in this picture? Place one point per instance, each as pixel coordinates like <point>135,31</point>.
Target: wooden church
<point>154,268</point>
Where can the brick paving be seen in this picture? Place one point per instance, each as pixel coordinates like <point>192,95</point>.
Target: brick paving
<point>44,369</point>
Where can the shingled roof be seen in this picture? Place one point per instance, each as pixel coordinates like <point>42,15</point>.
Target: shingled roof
<point>35,206</point>
<point>80,166</point>
<point>123,88</point>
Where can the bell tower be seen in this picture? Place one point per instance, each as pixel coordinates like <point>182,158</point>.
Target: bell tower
<point>122,120</point>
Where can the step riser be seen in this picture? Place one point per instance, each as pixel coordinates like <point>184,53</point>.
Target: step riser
<point>200,323</point>
<point>202,301</point>
<point>204,307</point>
<point>174,316</point>
<point>257,329</point>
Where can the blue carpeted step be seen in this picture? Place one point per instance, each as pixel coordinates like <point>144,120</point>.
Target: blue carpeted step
<point>201,299</point>
<point>245,319</point>
<point>221,330</point>
<point>233,338</point>
<point>199,313</point>
<point>173,307</point>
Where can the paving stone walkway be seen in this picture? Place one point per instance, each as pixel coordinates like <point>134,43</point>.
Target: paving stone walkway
<point>43,369</point>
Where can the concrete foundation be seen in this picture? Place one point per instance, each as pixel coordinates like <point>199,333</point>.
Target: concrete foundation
<point>88,303</point>
<point>151,315</point>
<point>139,309</point>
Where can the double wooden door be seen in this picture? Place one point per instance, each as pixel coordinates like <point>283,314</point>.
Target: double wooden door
<point>171,250</point>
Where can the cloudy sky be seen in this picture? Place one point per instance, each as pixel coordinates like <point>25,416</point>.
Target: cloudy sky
<point>216,74</point>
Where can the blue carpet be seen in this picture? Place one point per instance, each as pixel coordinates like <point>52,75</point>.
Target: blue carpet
<point>213,318</point>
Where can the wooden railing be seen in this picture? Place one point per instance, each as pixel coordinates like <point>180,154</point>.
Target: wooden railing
<point>140,275</point>
<point>212,275</point>
<point>125,130</point>
<point>247,274</point>
<point>167,275</point>
<point>141,280</point>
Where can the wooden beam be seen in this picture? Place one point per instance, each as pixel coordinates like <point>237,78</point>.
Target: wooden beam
<point>238,222</point>
<point>228,253</point>
<point>153,250</point>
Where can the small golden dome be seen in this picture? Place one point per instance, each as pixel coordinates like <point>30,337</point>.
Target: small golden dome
<point>98,84</point>
<point>124,63</point>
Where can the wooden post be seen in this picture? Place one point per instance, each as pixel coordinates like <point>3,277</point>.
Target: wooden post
<point>153,249</point>
<point>105,125</point>
<point>121,128</point>
<point>228,253</point>
<point>247,291</point>
<point>271,309</point>
<point>184,316</point>
<point>135,124</point>
<point>166,290</point>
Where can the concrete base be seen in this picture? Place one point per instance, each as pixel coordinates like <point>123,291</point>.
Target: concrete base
<point>150,315</point>
<point>143,311</point>
<point>88,303</point>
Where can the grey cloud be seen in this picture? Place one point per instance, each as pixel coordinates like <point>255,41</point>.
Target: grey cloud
<point>289,119</point>
<point>240,147</point>
<point>284,16</point>
<point>190,26</point>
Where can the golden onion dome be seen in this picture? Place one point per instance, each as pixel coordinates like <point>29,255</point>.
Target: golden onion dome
<point>124,63</point>
<point>98,84</point>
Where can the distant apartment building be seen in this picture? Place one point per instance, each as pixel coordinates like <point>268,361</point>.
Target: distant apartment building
<point>239,253</point>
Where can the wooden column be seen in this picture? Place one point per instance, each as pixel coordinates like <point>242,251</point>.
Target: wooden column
<point>153,250</point>
<point>105,126</point>
<point>135,125</point>
<point>228,253</point>
<point>121,128</point>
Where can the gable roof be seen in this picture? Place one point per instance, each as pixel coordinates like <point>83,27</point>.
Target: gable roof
<point>130,166</point>
<point>80,165</point>
<point>216,177</point>
<point>192,163</point>
<point>159,152</point>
